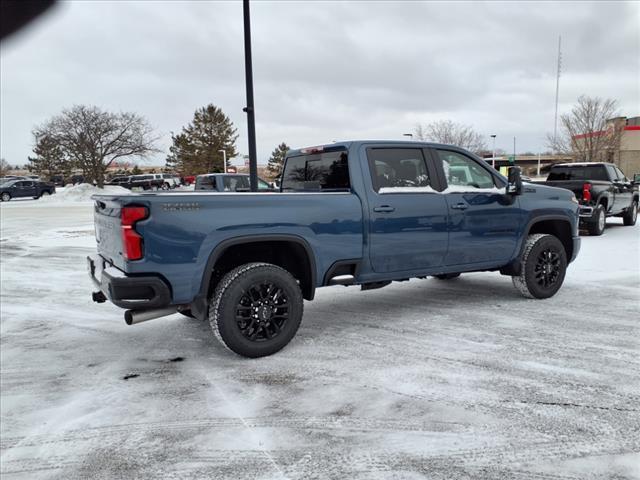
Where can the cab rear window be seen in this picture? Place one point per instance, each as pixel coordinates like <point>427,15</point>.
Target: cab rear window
<point>593,172</point>
<point>317,172</point>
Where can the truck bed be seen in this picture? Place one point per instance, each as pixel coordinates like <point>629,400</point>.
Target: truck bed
<point>184,228</point>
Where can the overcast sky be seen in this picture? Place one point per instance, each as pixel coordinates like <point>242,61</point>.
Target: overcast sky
<point>323,71</point>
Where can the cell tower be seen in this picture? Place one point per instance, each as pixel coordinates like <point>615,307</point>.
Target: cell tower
<point>555,122</point>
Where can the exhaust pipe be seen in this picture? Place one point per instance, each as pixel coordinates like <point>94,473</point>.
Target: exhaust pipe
<point>131,317</point>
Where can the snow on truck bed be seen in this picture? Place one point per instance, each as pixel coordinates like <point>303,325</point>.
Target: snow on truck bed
<point>460,379</point>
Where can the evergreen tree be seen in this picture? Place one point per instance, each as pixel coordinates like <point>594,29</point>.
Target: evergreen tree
<point>136,170</point>
<point>276,160</point>
<point>196,149</point>
<point>50,158</point>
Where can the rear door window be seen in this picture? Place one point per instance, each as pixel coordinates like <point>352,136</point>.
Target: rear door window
<point>396,170</point>
<point>234,183</point>
<point>621,175</point>
<point>319,172</point>
<point>206,183</point>
<point>612,172</point>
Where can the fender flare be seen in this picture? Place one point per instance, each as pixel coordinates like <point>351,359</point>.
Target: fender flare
<point>199,303</point>
<point>513,267</point>
<point>606,194</point>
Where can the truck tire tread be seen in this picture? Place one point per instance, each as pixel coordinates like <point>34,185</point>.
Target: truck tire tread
<point>520,281</point>
<point>594,227</point>
<point>631,214</point>
<point>216,303</point>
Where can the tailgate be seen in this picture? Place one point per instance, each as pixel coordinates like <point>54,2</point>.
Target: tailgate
<point>574,186</point>
<point>106,216</point>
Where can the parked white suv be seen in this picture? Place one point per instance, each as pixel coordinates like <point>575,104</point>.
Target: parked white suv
<point>170,180</point>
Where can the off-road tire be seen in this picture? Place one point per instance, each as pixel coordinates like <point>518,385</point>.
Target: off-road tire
<point>596,228</point>
<point>631,214</point>
<point>447,276</point>
<point>528,282</point>
<point>225,304</point>
<point>5,197</point>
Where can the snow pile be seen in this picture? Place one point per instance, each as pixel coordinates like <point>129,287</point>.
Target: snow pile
<point>84,191</point>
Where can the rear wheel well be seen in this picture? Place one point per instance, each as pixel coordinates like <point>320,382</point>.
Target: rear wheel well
<point>289,255</point>
<point>558,228</point>
<point>604,201</point>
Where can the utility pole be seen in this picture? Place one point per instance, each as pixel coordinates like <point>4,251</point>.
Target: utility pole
<point>538,164</point>
<point>224,160</point>
<point>249,109</point>
<point>493,155</point>
<point>555,120</point>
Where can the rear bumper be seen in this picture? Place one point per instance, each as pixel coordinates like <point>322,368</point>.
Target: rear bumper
<point>585,213</point>
<point>135,293</point>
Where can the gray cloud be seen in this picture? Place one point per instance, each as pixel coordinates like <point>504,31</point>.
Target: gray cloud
<point>323,71</point>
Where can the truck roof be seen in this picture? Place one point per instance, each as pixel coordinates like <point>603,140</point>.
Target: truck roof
<point>354,143</point>
<point>580,164</point>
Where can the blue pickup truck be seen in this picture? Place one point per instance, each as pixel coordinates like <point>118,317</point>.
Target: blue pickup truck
<point>352,213</point>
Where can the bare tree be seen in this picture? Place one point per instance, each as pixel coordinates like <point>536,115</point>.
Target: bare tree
<point>451,133</point>
<point>589,132</point>
<point>93,139</point>
<point>4,167</point>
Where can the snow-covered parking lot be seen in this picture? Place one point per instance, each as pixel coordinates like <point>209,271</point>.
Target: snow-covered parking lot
<point>426,379</point>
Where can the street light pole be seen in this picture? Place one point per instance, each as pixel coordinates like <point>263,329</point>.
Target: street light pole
<point>249,109</point>
<point>224,160</point>
<point>493,155</point>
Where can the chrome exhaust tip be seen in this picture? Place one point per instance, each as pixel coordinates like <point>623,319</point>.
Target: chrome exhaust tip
<point>131,317</point>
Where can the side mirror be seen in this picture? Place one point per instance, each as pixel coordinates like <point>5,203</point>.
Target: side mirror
<point>514,183</point>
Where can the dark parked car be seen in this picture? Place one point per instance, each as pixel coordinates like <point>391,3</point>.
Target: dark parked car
<point>25,188</point>
<point>57,180</point>
<point>76,179</point>
<point>602,190</point>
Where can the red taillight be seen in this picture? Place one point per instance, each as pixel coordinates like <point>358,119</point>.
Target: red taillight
<point>586,192</point>
<point>132,240</point>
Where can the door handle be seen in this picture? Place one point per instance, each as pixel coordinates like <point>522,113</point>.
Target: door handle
<point>459,206</point>
<point>384,209</point>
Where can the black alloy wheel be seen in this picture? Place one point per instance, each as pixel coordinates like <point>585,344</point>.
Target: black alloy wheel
<point>262,312</point>
<point>547,269</point>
